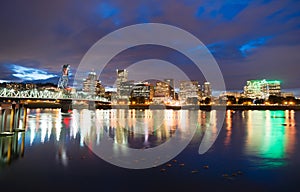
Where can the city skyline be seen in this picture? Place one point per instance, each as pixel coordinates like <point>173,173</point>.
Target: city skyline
<point>92,86</point>
<point>265,48</point>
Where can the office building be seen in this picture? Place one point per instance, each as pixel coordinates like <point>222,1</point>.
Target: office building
<point>162,89</point>
<point>93,87</point>
<point>207,90</point>
<point>125,89</point>
<point>122,76</point>
<point>171,84</point>
<point>188,92</point>
<point>262,89</point>
<point>142,93</point>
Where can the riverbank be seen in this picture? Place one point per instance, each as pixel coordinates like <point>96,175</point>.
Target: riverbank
<point>34,105</point>
<point>203,107</point>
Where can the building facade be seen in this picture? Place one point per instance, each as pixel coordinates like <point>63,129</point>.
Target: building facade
<point>188,92</point>
<point>162,89</point>
<point>92,86</point>
<point>125,89</point>
<point>171,87</point>
<point>262,89</point>
<point>207,90</point>
<point>122,76</point>
<point>141,93</point>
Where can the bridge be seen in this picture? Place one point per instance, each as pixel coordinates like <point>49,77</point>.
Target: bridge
<point>44,94</point>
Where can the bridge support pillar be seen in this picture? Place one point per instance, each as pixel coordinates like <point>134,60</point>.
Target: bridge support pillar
<point>24,117</point>
<point>10,116</point>
<point>92,105</point>
<point>66,105</point>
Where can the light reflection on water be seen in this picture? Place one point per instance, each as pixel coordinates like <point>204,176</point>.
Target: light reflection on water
<point>134,128</point>
<point>269,137</point>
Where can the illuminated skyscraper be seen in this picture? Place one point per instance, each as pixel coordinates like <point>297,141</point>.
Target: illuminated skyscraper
<point>125,89</point>
<point>162,89</point>
<point>171,84</point>
<point>188,92</point>
<point>262,89</point>
<point>142,93</point>
<point>64,78</point>
<point>165,88</point>
<point>122,76</point>
<point>207,91</point>
<point>92,86</point>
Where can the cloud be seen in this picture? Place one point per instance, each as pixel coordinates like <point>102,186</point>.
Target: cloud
<point>29,74</point>
<point>61,31</point>
<point>253,44</point>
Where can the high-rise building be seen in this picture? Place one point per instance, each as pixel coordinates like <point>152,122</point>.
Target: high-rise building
<point>188,92</point>
<point>100,89</point>
<point>92,86</point>
<point>125,89</point>
<point>122,76</point>
<point>171,84</point>
<point>207,90</point>
<point>262,89</point>
<point>273,88</point>
<point>162,89</point>
<point>142,93</point>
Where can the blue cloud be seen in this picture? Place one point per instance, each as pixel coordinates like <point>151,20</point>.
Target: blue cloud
<point>200,11</point>
<point>29,74</point>
<point>216,47</point>
<point>230,10</point>
<point>253,44</point>
<point>290,16</point>
<point>107,10</point>
<point>227,10</point>
<point>146,12</point>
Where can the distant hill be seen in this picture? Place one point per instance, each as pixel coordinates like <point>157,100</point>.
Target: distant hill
<point>53,80</point>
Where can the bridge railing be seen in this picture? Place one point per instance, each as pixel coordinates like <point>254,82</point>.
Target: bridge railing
<point>46,94</point>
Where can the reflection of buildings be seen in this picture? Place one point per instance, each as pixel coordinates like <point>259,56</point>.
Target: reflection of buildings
<point>132,128</point>
<point>270,135</point>
<point>137,129</point>
<point>48,125</point>
<point>12,147</point>
<point>228,121</point>
<point>262,89</point>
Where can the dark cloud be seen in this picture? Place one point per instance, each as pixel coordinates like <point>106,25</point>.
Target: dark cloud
<point>249,39</point>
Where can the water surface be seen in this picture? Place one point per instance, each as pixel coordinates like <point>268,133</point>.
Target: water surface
<point>255,150</point>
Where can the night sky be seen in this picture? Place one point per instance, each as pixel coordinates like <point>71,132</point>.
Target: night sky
<point>249,39</point>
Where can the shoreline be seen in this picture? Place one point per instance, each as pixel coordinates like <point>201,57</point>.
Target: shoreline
<point>205,107</point>
<point>162,107</point>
